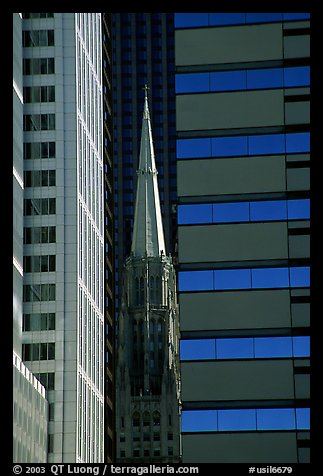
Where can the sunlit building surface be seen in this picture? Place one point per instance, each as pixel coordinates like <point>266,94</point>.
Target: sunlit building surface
<point>243,152</point>
<point>30,406</point>
<point>63,321</point>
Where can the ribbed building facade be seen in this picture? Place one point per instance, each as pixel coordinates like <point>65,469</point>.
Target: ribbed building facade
<point>63,310</point>
<point>30,406</point>
<point>243,156</point>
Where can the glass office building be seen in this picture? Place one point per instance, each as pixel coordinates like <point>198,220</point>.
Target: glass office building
<point>243,156</point>
<point>142,53</point>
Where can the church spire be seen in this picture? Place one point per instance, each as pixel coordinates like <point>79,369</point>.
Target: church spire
<point>148,235</point>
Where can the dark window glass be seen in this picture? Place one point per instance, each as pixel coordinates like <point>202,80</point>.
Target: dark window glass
<point>271,210</point>
<point>303,418</point>
<point>270,278</point>
<point>194,214</point>
<point>236,420</point>
<point>267,144</point>
<point>300,277</point>
<point>296,16</point>
<point>195,280</point>
<point>234,348</point>
<point>192,82</point>
<point>197,349</point>
<point>230,212</point>
<point>227,18</point>
<point>191,19</point>
<point>228,81</point>
<point>275,418</point>
<point>273,347</point>
<point>199,420</point>
<point>229,146</point>
<point>232,279</point>
<point>193,148</point>
<point>265,78</point>
<point>297,143</point>
<point>263,17</point>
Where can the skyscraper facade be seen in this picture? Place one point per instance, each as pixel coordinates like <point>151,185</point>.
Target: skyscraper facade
<point>147,373</point>
<point>63,266</point>
<point>30,406</point>
<point>243,155</point>
<point>142,52</point>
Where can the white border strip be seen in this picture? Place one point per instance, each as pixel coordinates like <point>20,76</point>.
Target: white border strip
<point>19,93</point>
<point>18,177</point>
<point>18,266</point>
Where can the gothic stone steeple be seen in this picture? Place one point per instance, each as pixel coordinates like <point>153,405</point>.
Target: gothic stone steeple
<point>147,376</point>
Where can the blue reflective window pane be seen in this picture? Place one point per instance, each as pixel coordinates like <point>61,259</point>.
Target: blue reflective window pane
<point>234,348</point>
<point>299,142</point>
<point>263,17</point>
<point>303,421</point>
<point>232,279</point>
<point>296,16</point>
<point>298,209</point>
<point>267,347</point>
<point>275,419</point>
<point>270,278</point>
<point>195,280</point>
<point>301,346</point>
<point>191,19</point>
<point>192,148</point>
<point>300,277</point>
<point>200,213</point>
<point>298,76</point>
<point>199,420</point>
<point>271,210</point>
<point>192,82</point>
<point>197,349</point>
<point>230,212</point>
<point>229,146</point>
<point>267,144</point>
<point>228,81</point>
<point>235,420</point>
<point>265,78</point>
<point>227,18</point>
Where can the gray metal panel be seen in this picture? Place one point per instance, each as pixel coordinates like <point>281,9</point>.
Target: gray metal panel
<point>297,46</point>
<point>225,45</point>
<point>233,242</point>
<point>298,179</point>
<point>237,380</point>
<point>266,447</point>
<point>297,112</point>
<point>223,310</point>
<point>299,246</point>
<point>230,110</point>
<point>231,176</point>
<point>300,314</point>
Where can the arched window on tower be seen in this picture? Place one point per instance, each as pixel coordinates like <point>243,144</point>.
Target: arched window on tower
<point>146,419</point>
<point>136,420</point>
<point>157,289</point>
<point>142,291</point>
<point>137,291</point>
<point>156,419</point>
<point>151,290</point>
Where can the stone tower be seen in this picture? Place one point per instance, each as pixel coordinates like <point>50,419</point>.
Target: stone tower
<point>147,373</point>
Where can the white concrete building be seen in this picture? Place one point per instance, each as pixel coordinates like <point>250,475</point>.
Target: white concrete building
<point>63,286</point>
